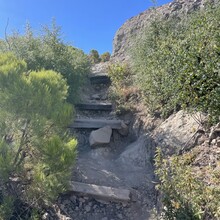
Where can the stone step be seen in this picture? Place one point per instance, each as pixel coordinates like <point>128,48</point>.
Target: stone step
<point>100,79</point>
<point>96,123</point>
<point>95,106</point>
<point>102,192</point>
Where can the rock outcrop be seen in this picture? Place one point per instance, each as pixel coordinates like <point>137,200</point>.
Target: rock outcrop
<point>124,37</point>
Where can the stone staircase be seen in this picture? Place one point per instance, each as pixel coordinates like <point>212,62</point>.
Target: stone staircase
<point>92,105</point>
<point>111,177</point>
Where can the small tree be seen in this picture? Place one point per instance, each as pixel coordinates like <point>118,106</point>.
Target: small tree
<point>94,56</point>
<point>105,57</point>
<point>36,153</point>
<point>48,51</point>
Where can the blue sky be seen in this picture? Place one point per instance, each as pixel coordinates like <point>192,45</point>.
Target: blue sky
<point>86,24</point>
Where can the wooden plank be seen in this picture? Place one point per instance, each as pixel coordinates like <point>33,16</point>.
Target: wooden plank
<point>103,192</point>
<point>100,79</point>
<point>95,106</point>
<point>96,123</point>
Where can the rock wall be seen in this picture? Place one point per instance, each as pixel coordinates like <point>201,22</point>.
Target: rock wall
<point>135,26</point>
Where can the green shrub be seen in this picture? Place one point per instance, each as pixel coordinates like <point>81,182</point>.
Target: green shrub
<point>36,153</point>
<point>186,194</point>
<point>177,63</point>
<point>48,51</point>
<point>122,91</point>
<point>94,56</point>
<point>105,57</point>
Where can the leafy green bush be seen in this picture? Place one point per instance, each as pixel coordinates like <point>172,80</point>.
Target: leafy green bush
<point>177,63</point>
<point>48,51</point>
<point>36,153</point>
<point>186,194</point>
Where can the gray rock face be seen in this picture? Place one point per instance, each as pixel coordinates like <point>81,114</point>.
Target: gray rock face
<point>177,131</point>
<point>135,26</point>
<point>135,154</point>
<point>100,136</point>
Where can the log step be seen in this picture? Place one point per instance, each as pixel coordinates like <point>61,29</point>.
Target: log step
<point>95,106</point>
<point>96,123</point>
<point>103,192</point>
<point>100,79</point>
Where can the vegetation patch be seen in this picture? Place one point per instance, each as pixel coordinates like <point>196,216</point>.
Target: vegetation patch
<point>48,51</point>
<point>190,186</point>
<point>36,152</point>
<point>176,63</point>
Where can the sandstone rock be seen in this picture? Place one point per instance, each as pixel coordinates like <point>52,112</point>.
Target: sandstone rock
<point>100,136</point>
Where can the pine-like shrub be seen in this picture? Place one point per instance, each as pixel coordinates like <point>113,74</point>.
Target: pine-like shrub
<point>36,152</point>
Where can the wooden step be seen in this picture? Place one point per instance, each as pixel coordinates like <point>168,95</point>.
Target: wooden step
<point>95,106</point>
<point>102,192</point>
<point>96,123</point>
<point>100,79</point>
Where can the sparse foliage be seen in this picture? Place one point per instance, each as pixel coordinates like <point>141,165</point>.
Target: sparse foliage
<point>122,91</point>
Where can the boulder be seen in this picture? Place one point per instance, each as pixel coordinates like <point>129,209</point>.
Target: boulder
<point>100,136</point>
<point>177,131</point>
<point>138,153</point>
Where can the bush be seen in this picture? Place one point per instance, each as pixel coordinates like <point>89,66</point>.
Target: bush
<point>48,51</point>
<point>186,194</point>
<point>122,91</point>
<point>105,57</point>
<point>177,63</point>
<point>94,56</point>
<point>36,153</point>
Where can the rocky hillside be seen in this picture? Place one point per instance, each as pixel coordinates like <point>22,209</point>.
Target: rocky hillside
<point>133,27</point>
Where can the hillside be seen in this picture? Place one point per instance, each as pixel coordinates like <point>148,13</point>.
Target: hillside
<point>134,27</point>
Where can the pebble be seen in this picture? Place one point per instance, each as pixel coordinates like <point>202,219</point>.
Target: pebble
<point>81,200</point>
<point>62,206</point>
<point>105,218</point>
<point>87,208</point>
<point>73,198</point>
<point>120,216</point>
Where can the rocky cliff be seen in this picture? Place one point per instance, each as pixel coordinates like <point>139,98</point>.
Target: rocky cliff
<point>135,26</point>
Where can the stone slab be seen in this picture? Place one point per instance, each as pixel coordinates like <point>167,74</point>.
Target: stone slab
<point>104,192</point>
<point>100,79</point>
<point>95,106</point>
<point>95,123</point>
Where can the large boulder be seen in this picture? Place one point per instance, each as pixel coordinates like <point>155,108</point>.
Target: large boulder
<point>177,131</point>
<point>100,136</point>
<point>139,153</point>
